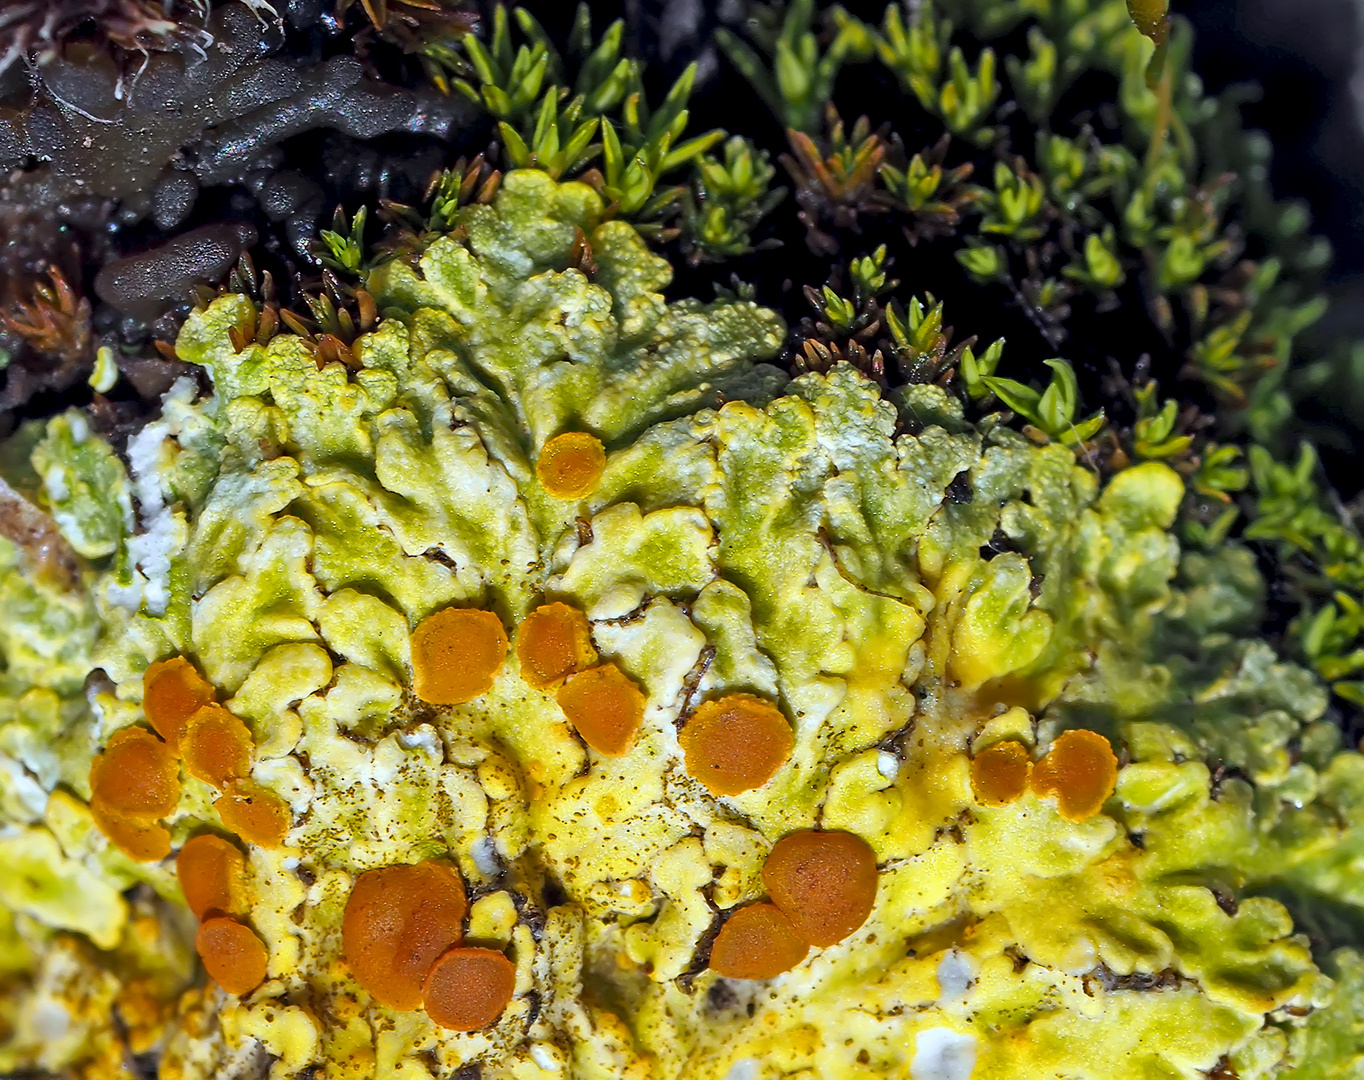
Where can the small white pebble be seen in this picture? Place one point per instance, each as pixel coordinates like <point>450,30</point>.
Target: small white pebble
<point>743,1069</point>
<point>888,765</point>
<point>485,856</point>
<point>943,1054</point>
<point>51,1021</point>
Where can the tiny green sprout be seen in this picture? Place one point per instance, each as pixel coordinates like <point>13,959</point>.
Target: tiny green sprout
<point>1216,358</point>
<point>984,262</point>
<point>460,184</point>
<point>868,275</point>
<point>1210,535</point>
<point>605,77</point>
<point>1288,509</point>
<point>800,79</point>
<point>1154,435</point>
<point>974,370</point>
<point>1051,411</point>
<point>726,201</point>
<point>1330,637</point>
<point>919,330</point>
<point>559,142</point>
<point>935,197</point>
<point>913,186</point>
<point>342,247</point>
<point>1015,205</point>
<point>1220,472</point>
<point>967,97</point>
<point>1183,261</point>
<point>1099,267</point>
<point>914,52</point>
<point>1035,80</point>
<point>837,311</point>
<point>646,147</point>
<point>510,80</point>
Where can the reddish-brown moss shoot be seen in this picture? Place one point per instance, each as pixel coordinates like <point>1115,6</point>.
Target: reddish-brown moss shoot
<point>254,813</point>
<point>736,743</point>
<point>456,655</point>
<point>136,778</point>
<point>758,942</point>
<point>398,920</point>
<point>553,642</point>
<point>217,746</point>
<point>212,875</point>
<point>999,775</point>
<point>234,957</point>
<point>824,882</point>
<point>606,707</point>
<point>144,843</point>
<point>468,989</point>
<point>172,691</point>
<point>571,465</point>
<point>1081,770</point>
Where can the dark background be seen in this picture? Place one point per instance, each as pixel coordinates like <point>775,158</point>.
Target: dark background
<point>1307,57</point>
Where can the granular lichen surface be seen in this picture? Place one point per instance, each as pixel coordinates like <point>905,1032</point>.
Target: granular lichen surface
<point>986,717</point>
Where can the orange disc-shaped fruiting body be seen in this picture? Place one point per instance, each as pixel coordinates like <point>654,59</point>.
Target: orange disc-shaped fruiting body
<point>144,843</point>
<point>254,813</point>
<point>999,775</point>
<point>234,957</point>
<point>758,942</point>
<point>468,989</point>
<point>136,778</point>
<point>824,882</point>
<point>552,643</point>
<point>217,746</point>
<point>172,691</point>
<point>398,920</point>
<point>571,464</point>
<point>212,875</point>
<point>736,743</point>
<point>1081,770</point>
<point>606,707</point>
<point>456,655</point>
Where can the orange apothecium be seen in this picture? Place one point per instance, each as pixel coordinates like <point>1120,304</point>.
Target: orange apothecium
<point>553,642</point>
<point>736,743</point>
<point>824,882</point>
<point>757,942</point>
<point>606,707</point>
<point>456,655</point>
<point>172,691</point>
<point>571,465</point>
<point>217,746</point>
<point>468,989</point>
<point>1081,770</point>
<point>233,955</point>
<point>254,813</point>
<point>212,875</point>
<point>999,775</point>
<point>136,777</point>
<point>398,920</point>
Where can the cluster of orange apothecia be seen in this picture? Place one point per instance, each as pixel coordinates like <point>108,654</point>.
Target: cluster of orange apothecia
<point>820,886</point>
<point>403,939</point>
<point>732,744</point>
<point>212,874</point>
<point>1080,771</point>
<point>135,784</point>
<point>135,780</point>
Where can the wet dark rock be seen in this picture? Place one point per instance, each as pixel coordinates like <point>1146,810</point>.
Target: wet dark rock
<point>146,284</point>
